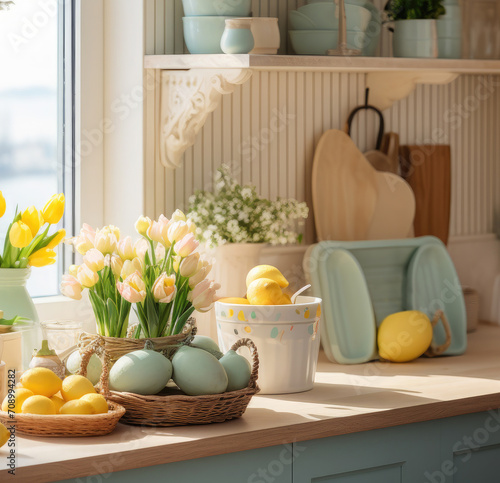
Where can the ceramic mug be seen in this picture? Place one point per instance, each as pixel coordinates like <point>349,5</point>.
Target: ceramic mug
<point>237,37</point>
<point>266,34</point>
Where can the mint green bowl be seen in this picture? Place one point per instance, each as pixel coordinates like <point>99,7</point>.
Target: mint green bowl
<point>317,42</point>
<point>322,16</point>
<point>232,8</point>
<point>203,34</point>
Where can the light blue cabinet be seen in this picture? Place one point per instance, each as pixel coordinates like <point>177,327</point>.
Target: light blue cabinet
<point>463,449</point>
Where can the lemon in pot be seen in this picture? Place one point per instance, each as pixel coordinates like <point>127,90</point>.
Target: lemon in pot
<point>264,291</point>
<point>269,272</point>
<point>404,336</point>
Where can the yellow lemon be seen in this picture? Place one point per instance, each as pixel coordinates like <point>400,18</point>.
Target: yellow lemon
<point>77,406</point>
<point>404,336</point>
<point>38,405</point>
<point>235,301</point>
<point>269,272</point>
<point>98,403</point>
<point>4,435</point>
<point>264,291</point>
<point>20,395</point>
<point>58,402</point>
<point>74,387</point>
<point>41,381</point>
<point>286,300</point>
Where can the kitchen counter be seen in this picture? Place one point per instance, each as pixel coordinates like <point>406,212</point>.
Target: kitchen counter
<point>346,399</point>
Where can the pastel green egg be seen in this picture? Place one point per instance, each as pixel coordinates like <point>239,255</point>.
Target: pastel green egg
<point>205,343</point>
<point>94,367</point>
<point>143,372</point>
<point>197,372</point>
<point>238,370</point>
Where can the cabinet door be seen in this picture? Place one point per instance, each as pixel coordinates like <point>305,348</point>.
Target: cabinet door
<point>470,450</point>
<point>394,455</point>
<point>256,466</point>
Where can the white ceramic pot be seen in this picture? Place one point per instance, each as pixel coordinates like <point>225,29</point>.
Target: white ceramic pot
<point>415,38</point>
<point>287,339</point>
<point>266,34</point>
<point>233,262</point>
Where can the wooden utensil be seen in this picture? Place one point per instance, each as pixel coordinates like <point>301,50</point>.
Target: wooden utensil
<point>427,169</point>
<point>390,147</point>
<point>395,209</point>
<point>344,189</point>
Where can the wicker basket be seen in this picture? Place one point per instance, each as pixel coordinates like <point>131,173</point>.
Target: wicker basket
<point>65,425</point>
<point>173,408</point>
<point>116,347</point>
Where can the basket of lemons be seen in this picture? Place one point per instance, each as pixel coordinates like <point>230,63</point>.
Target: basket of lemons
<point>42,404</point>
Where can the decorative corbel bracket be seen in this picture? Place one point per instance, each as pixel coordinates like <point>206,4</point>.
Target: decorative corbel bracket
<point>388,87</point>
<point>187,98</point>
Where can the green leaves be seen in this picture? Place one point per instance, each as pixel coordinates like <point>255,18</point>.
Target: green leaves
<point>415,9</point>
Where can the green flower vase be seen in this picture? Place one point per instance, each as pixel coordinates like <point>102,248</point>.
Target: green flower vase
<point>15,300</point>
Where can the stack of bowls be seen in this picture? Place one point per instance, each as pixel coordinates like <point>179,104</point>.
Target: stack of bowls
<point>314,27</point>
<point>205,20</point>
<point>449,31</point>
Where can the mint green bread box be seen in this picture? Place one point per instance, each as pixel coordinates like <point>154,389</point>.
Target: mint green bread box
<point>363,282</point>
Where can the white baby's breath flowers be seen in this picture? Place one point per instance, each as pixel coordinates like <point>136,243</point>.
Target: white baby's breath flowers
<point>236,214</point>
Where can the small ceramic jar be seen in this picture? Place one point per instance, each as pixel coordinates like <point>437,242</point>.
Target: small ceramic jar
<point>237,37</point>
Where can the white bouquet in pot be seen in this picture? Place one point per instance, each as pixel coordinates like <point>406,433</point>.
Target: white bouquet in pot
<point>236,214</point>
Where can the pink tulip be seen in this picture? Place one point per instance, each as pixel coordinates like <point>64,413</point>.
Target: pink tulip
<point>198,277</point>
<point>133,289</point>
<point>186,246</point>
<point>85,240</point>
<point>94,259</point>
<point>105,241</point>
<point>125,248</point>
<point>158,231</point>
<point>203,295</point>
<point>71,287</point>
<point>189,265</point>
<point>177,231</point>
<point>164,288</point>
<point>86,276</point>
<point>140,248</point>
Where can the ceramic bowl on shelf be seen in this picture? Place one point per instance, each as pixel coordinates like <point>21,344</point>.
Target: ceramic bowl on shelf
<point>287,337</point>
<point>450,48</point>
<point>203,34</point>
<point>322,16</point>
<point>221,8</point>
<point>317,42</point>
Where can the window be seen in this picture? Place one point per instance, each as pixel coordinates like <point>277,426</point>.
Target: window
<point>35,115</point>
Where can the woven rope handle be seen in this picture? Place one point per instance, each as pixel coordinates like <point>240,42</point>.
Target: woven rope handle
<point>255,358</point>
<point>434,350</point>
<point>97,347</point>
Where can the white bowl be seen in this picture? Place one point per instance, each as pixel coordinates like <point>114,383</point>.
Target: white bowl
<point>286,336</point>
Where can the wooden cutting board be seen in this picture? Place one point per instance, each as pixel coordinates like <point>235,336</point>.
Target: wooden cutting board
<point>344,189</point>
<point>427,169</point>
<point>395,209</point>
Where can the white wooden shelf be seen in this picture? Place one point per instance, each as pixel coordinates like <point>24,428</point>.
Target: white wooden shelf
<point>320,63</point>
<point>192,85</point>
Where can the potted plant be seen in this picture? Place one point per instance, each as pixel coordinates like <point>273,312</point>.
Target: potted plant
<point>161,273</point>
<point>237,223</point>
<point>415,27</point>
<point>28,243</point>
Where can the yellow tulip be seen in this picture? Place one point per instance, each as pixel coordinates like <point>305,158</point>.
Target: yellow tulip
<point>142,225</point>
<point>42,258</point>
<point>54,209</point>
<point>60,235</point>
<point>3,205</point>
<point>20,235</point>
<point>33,218</point>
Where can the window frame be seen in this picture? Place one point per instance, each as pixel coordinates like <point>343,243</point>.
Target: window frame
<point>81,107</point>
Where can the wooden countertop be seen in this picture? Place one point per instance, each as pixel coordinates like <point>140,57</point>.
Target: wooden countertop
<point>345,399</point>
